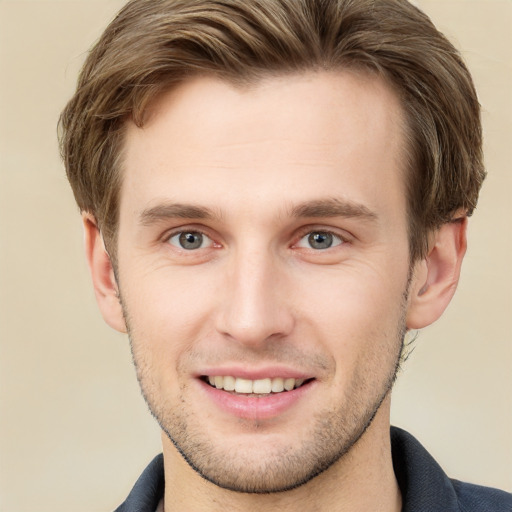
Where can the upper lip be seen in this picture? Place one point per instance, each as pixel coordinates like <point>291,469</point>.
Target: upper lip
<point>267,372</point>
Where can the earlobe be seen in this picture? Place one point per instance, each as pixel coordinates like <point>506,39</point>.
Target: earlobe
<point>102,273</point>
<point>435,278</point>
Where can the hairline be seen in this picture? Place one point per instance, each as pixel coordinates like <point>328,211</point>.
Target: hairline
<point>405,160</point>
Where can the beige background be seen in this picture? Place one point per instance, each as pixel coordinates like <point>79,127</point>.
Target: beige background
<point>74,432</point>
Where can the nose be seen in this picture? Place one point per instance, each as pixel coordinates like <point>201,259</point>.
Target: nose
<point>255,307</point>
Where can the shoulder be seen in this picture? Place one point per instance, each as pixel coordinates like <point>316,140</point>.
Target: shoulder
<point>476,498</point>
<point>425,486</point>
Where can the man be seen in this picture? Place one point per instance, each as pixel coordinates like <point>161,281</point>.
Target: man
<point>273,193</point>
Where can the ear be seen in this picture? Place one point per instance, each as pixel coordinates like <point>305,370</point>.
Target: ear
<point>102,273</point>
<point>435,278</point>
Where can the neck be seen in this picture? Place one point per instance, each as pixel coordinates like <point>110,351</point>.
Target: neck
<point>362,480</point>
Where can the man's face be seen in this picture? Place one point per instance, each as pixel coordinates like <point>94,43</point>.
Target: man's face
<point>263,245</point>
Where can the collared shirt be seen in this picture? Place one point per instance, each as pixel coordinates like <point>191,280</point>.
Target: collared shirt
<point>423,484</point>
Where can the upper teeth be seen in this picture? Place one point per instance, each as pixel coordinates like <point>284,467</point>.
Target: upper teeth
<point>259,386</point>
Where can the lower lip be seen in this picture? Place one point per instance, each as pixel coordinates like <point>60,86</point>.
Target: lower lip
<point>255,407</point>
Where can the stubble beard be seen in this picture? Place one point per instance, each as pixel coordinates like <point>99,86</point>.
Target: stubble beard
<point>332,435</point>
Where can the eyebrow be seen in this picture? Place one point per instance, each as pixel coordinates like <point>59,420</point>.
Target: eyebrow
<point>333,207</point>
<point>164,211</point>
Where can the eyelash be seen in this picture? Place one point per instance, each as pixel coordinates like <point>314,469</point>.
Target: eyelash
<point>309,230</point>
<point>338,239</point>
<point>169,236</point>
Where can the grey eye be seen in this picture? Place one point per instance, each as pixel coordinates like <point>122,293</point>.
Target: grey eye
<point>319,240</point>
<point>190,240</point>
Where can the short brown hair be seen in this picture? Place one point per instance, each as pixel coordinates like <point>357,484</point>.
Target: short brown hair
<point>154,44</point>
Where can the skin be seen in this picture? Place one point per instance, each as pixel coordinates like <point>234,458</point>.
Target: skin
<point>255,172</point>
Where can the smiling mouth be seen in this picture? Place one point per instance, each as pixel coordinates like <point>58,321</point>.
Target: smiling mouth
<point>261,387</point>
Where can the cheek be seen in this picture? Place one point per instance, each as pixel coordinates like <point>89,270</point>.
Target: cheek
<point>352,293</point>
<point>167,311</point>
<point>166,317</point>
<point>357,315</point>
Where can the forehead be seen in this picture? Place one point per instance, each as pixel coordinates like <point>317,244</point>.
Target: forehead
<point>283,139</point>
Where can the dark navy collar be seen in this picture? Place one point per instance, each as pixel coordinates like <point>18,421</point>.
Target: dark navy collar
<point>148,490</point>
<point>423,484</point>
<point>426,488</point>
